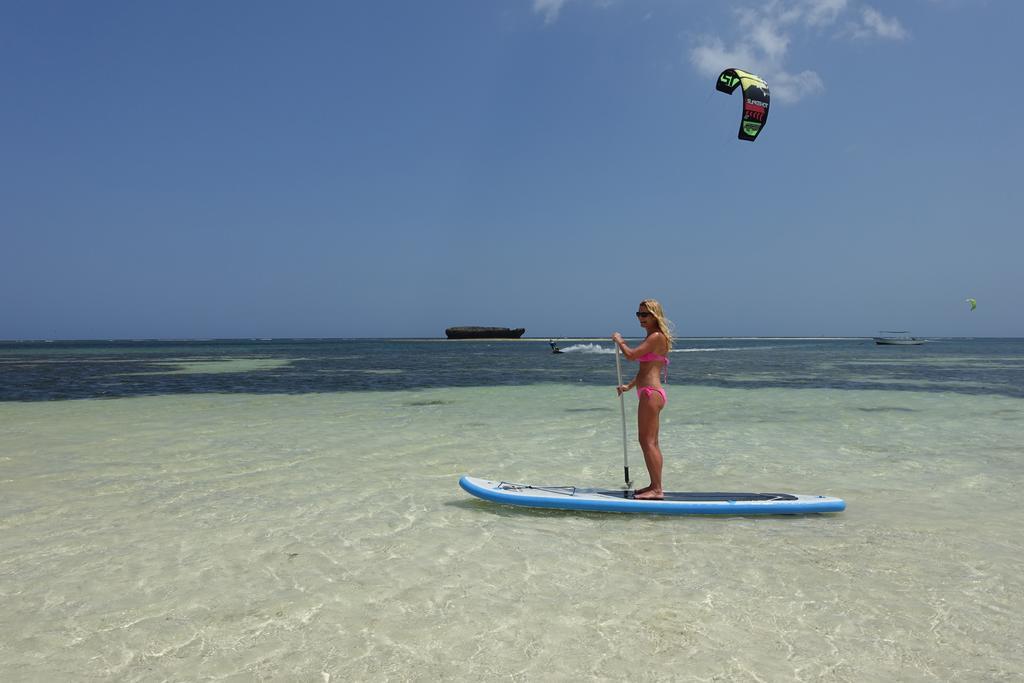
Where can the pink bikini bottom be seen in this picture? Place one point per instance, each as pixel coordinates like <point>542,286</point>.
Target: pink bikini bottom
<point>646,391</point>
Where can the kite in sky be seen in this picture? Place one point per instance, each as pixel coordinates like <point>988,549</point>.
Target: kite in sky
<point>972,302</point>
<point>755,100</point>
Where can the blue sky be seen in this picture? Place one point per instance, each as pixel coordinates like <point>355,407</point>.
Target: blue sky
<point>349,169</point>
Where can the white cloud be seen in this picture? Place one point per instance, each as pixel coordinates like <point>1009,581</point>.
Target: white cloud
<point>549,8</point>
<point>787,87</point>
<point>823,12</point>
<point>767,38</point>
<point>763,49</point>
<point>552,8</point>
<point>766,32</point>
<point>712,56</point>
<point>874,25</point>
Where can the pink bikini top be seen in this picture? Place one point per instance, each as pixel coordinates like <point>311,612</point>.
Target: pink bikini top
<point>649,357</point>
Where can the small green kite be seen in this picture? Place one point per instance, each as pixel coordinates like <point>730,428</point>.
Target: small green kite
<point>972,302</point>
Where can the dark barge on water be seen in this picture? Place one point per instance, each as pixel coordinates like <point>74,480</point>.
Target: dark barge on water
<point>485,332</point>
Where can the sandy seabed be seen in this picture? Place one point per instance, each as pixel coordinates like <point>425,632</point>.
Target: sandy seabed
<point>324,538</point>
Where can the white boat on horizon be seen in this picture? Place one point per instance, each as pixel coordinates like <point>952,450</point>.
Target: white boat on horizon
<point>904,338</point>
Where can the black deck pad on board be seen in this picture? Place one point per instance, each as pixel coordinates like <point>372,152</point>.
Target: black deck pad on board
<point>704,495</point>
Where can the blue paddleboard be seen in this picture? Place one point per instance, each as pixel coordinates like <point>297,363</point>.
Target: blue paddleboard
<point>686,503</point>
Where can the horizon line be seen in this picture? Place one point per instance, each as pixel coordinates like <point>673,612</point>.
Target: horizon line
<point>544,338</point>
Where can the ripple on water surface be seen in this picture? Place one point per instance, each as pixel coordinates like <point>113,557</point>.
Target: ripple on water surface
<point>324,535</point>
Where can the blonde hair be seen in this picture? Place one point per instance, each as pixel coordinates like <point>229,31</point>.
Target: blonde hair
<point>664,324</point>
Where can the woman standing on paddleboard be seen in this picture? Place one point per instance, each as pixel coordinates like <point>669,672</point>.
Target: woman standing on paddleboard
<point>652,354</point>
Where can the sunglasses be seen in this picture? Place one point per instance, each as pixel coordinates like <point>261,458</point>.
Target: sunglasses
<point>643,314</point>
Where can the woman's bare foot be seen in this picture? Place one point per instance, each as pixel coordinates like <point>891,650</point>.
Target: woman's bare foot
<point>649,494</point>
<point>637,492</point>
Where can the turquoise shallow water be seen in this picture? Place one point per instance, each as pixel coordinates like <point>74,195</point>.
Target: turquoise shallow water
<point>321,535</point>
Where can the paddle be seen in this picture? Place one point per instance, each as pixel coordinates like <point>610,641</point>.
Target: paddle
<point>622,407</point>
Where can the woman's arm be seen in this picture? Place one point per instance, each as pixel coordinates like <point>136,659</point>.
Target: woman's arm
<point>652,344</point>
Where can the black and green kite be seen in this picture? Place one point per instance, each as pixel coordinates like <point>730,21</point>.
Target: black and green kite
<point>755,100</point>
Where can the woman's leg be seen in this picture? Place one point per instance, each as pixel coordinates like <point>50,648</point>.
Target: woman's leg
<point>647,417</point>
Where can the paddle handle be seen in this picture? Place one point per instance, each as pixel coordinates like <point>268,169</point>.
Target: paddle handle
<point>622,408</point>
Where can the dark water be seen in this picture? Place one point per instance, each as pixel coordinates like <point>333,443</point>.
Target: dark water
<point>47,371</point>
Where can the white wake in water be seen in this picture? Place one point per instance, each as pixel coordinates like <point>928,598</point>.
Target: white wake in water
<point>587,348</point>
<point>597,348</point>
<point>723,348</point>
